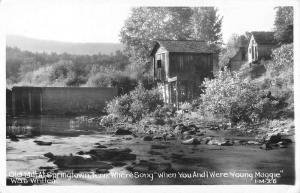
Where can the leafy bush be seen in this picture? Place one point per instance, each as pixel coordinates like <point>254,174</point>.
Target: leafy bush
<point>135,105</point>
<point>108,120</point>
<point>120,106</point>
<point>281,67</point>
<point>234,98</point>
<point>186,107</point>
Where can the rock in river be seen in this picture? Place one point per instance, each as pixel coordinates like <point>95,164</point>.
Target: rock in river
<point>214,142</point>
<point>49,155</point>
<point>121,131</point>
<point>78,162</point>
<point>253,143</point>
<point>227,143</point>
<point>274,138</point>
<point>13,137</point>
<point>98,145</point>
<point>192,141</point>
<point>42,142</point>
<point>147,138</point>
<point>113,154</point>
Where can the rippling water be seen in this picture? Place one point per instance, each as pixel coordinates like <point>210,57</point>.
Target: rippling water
<point>69,138</point>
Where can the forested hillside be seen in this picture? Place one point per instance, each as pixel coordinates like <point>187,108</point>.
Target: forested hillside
<point>40,69</point>
<point>48,46</point>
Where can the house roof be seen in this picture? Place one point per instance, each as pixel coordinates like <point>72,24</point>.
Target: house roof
<point>262,37</point>
<point>188,46</point>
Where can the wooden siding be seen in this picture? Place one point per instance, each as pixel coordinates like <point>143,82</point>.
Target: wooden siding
<point>188,66</point>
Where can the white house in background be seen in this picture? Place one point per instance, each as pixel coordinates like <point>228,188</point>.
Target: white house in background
<point>260,46</point>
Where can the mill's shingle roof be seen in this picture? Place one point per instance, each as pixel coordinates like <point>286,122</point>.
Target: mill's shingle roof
<point>262,37</point>
<point>188,46</point>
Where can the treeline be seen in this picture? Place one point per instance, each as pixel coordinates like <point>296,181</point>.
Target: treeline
<point>25,68</point>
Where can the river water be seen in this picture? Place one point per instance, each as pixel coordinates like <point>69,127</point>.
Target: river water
<point>25,155</point>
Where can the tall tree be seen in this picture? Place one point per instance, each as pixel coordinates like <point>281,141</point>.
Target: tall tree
<point>284,24</point>
<point>233,45</point>
<point>149,23</point>
<point>207,25</point>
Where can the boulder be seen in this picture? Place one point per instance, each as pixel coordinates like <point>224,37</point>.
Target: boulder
<point>181,128</point>
<point>113,154</point>
<point>78,162</point>
<point>273,138</point>
<point>193,127</point>
<point>13,138</point>
<point>266,146</point>
<point>189,133</point>
<point>128,138</point>
<point>185,137</point>
<point>206,139</point>
<point>147,138</point>
<point>227,143</point>
<point>98,145</point>
<point>192,141</point>
<point>157,137</point>
<point>253,143</point>
<point>49,155</point>
<point>42,142</point>
<point>170,136</point>
<point>200,133</point>
<point>214,142</point>
<point>121,131</point>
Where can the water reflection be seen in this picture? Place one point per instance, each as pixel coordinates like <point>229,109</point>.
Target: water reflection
<point>31,126</point>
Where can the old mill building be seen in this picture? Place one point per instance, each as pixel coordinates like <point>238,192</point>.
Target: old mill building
<point>181,66</point>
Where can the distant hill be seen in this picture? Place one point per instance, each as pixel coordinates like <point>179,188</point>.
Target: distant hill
<point>48,46</point>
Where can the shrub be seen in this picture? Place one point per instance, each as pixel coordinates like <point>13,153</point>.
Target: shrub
<point>135,105</point>
<point>281,67</point>
<point>186,107</point>
<point>234,98</point>
<point>108,120</point>
<point>120,106</point>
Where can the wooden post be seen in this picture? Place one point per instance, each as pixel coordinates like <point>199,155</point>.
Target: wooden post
<point>13,93</point>
<point>41,101</point>
<point>29,100</point>
<point>154,69</point>
<point>177,105</point>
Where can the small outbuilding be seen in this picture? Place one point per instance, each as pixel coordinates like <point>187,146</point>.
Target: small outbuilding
<point>260,46</point>
<point>179,67</point>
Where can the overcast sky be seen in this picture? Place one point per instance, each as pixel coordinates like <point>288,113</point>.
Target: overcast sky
<point>95,21</point>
